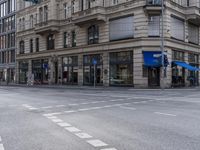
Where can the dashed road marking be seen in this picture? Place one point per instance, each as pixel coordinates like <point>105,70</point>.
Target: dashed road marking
<point>166,114</point>
<point>92,108</point>
<point>1,147</point>
<point>97,143</point>
<point>129,108</point>
<point>72,129</point>
<point>83,135</point>
<point>63,124</point>
<point>56,120</point>
<point>51,117</point>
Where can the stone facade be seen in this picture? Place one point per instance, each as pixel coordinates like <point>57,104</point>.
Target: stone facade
<point>68,21</point>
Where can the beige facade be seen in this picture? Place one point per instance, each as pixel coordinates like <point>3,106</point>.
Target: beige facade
<point>119,28</point>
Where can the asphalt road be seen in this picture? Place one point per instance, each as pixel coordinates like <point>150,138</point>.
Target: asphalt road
<point>85,119</point>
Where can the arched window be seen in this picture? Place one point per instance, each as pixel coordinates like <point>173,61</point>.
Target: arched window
<point>93,34</point>
<point>21,47</point>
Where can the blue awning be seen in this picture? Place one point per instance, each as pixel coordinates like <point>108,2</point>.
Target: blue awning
<point>185,65</point>
<point>152,59</point>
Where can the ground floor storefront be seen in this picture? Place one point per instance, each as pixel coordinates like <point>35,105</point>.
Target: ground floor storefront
<point>7,75</point>
<point>126,67</point>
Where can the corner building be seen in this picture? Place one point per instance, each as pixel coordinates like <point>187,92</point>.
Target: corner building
<point>7,41</point>
<point>60,41</point>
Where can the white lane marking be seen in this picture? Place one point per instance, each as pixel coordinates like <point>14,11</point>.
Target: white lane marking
<point>1,147</point>
<point>51,114</point>
<point>29,107</point>
<point>97,143</point>
<point>109,149</point>
<point>47,107</point>
<point>95,102</point>
<point>33,108</point>
<point>83,135</point>
<point>0,139</point>
<point>166,114</point>
<point>72,129</point>
<point>70,111</point>
<point>51,117</point>
<point>64,124</point>
<point>91,108</point>
<point>56,120</point>
<point>129,108</point>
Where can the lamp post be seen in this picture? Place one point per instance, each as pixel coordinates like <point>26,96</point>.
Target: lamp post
<point>162,45</point>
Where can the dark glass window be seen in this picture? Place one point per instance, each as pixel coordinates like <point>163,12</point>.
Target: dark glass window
<point>65,40</point>
<point>50,42</point>
<point>70,70</point>
<point>121,68</point>
<point>12,56</point>
<point>73,39</point>
<point>31,45</point>
<point>37,44</point>
<point>93,34</point>
<point>178,55</point>
<point>21,47</point>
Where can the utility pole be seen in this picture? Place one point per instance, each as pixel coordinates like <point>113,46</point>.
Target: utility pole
<point>162,45</point>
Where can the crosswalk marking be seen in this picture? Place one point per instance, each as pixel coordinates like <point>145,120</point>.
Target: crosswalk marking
<point>97,143</point>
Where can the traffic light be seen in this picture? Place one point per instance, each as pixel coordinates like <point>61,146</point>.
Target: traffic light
<point>166,62</point>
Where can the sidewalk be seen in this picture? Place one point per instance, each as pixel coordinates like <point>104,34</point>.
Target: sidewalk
<point>102,88</point>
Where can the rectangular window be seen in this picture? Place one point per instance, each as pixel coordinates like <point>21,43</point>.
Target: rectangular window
<point>65,39</point>
<point>177,56</point>
<point>31,45</point>
<point>12,56</point>
<point>70,70</point>
<point>45,13</point>
<point>40,14</point>
<point>154,26</point>
<point>73,39</point>
<point>177,29</point>
<point>65,10</point>
<point>121,28</point>
<point>37,44</point>
<point>193,58</point>
<point>121,68</point>
<point>193,34</point>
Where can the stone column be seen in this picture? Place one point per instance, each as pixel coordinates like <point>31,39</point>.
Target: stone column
<point>80,69</point>
<point>60,70</point>
<point>17,73</point>
<point>106,70</point>
<point>29,66</point>
<point>187,82</point>
<point>50,71</point>
<point>138,79</point>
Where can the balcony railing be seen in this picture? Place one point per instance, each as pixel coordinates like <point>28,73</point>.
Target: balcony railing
<point>193,14</point>
<point>46,26</point>
<point>92,14</point>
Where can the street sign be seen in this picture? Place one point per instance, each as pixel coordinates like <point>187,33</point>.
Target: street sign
<point>94,61</point>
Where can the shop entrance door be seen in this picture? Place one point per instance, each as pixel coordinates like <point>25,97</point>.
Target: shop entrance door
<point>154,77</point>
